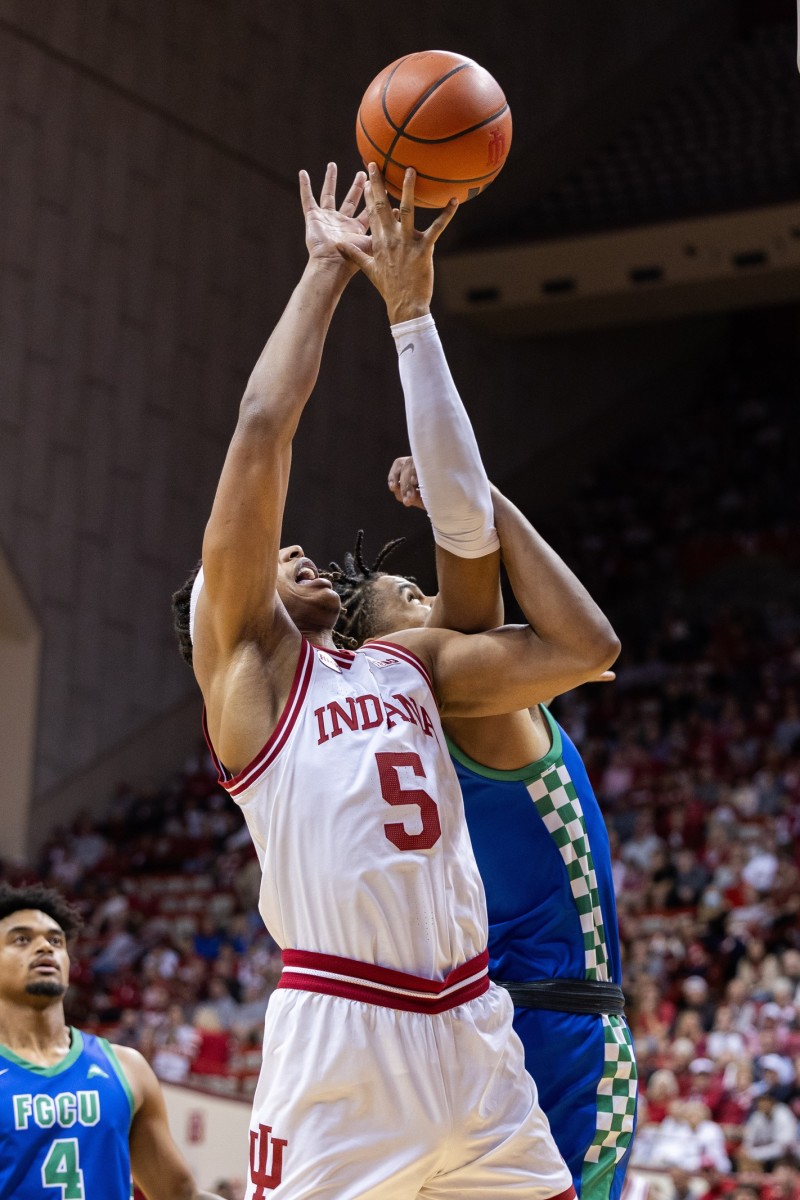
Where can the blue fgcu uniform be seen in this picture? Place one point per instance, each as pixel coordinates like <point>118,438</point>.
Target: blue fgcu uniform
<point>543,854</point>
<point>64,1129</point>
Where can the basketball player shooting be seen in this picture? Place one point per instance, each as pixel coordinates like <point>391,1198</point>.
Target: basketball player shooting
<point>534,822</point>
<point>390,1067</point>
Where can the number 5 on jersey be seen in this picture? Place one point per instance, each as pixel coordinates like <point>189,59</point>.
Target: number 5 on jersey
<point>394,793</point>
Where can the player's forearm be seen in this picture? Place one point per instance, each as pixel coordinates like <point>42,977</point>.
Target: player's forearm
<point>287,369</point>
<point>469,599</point>
<point>553,600</point>
<point>452,479</point>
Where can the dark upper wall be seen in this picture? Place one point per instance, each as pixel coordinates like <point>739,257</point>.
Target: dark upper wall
<point>150,233</point>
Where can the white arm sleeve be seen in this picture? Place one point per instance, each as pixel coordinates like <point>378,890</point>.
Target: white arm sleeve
<point>452,480</point>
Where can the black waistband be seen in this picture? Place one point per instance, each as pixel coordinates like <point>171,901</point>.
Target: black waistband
<point>566,995</point>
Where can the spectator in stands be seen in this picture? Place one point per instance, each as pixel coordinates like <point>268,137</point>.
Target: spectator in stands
<point>251,1012</point>
<point>175,1045</point>
<point>686,1138</point>
<point>208,939</point>
<point>695,999</point>
<point>210,1050</point>
<point>775,1074</point>
<point>725,1044</point>
<point>784,1182</point>
<point>120,949</point>
<point>222,1003</point>
<point>757,969</point>
<point>662,1089</point>
<point>706,1084</point>
<point>770,1135</point>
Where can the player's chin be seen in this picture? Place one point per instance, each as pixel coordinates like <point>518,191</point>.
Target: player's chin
<point>321,609</point>
<point>46,987</point>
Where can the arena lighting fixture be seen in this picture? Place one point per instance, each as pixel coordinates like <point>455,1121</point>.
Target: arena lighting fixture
<point>715,263</point>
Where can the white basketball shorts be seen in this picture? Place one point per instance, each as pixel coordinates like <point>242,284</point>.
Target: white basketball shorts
<point>357,1101</point>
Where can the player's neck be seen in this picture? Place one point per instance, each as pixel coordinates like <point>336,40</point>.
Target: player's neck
<point>39,1035</point>
<point>321,638</point>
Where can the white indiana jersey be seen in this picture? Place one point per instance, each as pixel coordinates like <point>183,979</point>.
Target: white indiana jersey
<point>356,814</point>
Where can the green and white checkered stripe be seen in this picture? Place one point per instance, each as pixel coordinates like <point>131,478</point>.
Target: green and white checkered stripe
<point>616,1110</point>
<point>558,805</point>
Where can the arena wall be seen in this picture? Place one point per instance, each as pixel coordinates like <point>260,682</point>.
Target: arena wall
<point>151,232</point>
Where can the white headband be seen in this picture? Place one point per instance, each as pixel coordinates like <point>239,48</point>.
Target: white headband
<point>197,588</point>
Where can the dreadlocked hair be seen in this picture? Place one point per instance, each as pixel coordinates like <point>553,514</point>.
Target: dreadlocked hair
<point>37,897</point>
<point>353,583</point>
<point>181,604</point>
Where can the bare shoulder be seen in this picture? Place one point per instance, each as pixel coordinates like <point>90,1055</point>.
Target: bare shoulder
<point>137,1071</point>
<point>245,696</point>
<point>425,641</point>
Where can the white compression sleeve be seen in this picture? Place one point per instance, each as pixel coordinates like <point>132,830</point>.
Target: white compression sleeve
<point>452,480</point>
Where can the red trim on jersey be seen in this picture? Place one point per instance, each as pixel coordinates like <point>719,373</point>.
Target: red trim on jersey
<point>236,784</point>
<point>342,658</point>
<point>569,1194</point>
<point>305,971</point>
<point>222,774</point>
<point>408,656</point>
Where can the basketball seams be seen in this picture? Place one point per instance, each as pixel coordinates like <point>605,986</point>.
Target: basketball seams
<point>451,137</point>
<point>430,92</point>
<point>422,174</point>
<point>422,99</point>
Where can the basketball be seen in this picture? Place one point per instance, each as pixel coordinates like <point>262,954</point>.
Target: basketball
<point>443,115</point>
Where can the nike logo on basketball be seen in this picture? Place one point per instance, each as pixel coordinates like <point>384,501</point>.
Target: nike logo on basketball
<point>410,347</point>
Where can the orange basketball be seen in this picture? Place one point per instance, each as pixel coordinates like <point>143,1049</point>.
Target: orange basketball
<point>441,114</point>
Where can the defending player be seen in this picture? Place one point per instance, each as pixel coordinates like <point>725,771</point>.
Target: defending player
<point>391,1070</point>
<point>534,822</point>
<point>78,1116</point>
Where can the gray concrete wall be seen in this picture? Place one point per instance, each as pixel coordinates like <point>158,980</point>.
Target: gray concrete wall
<point>149,235</point>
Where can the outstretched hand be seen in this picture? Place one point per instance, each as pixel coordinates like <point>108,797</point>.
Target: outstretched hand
<point>328,228</point>
<point>399,261</point>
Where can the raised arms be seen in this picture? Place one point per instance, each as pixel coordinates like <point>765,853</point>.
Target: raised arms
<point>568,639</point>
<point>245,645</point>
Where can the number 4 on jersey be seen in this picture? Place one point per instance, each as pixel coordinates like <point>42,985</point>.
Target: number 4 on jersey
<point>61,1169</point>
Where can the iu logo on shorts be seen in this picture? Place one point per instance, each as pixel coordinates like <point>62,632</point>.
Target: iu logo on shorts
<point>260,1142</point>
<point>496,148</point>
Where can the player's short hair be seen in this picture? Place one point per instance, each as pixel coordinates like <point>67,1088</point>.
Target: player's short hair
<point>181,604</point>
<point>42,899</point>
<point>354,585</point>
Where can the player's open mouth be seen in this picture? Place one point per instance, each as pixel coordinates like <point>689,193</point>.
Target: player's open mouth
<point>307,573</point>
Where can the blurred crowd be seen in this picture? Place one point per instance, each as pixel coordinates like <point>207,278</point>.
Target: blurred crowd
<point>691,544</point>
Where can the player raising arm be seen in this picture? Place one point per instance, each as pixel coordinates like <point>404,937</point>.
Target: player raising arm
<point>535,825</point>
<point>369,884</point>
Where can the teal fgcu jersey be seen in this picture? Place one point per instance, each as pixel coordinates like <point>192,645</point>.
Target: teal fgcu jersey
<point>544,857</point>
<point>64,1129</point>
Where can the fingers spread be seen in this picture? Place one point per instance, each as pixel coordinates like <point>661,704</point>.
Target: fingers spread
<point>406,217</point>
<point>327,197</point>
<point>438,226</point>
<point>306,195</point>
<point>353,197</point>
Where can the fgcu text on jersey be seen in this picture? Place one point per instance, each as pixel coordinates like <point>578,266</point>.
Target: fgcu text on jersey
<point>64,1129</point>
